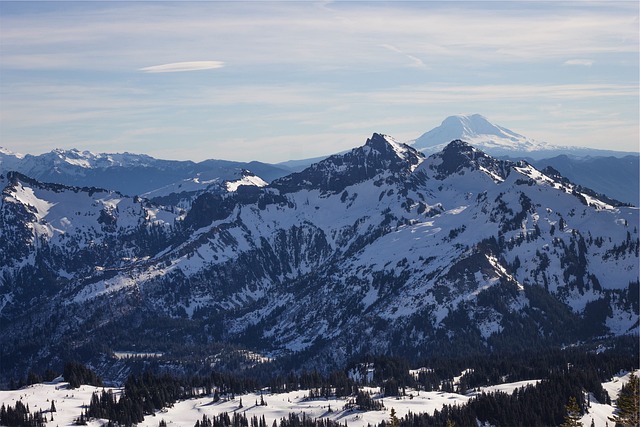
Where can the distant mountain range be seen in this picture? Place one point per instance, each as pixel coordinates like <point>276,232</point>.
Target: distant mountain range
<point>131,174</point>
<point>381,249</point>
<point>615,174</point>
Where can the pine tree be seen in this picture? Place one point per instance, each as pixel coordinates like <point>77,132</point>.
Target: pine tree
<point>393,419</point>
<point>628,404</point>
<point>572,419</point>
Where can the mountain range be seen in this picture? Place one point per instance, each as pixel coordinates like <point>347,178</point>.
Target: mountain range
<point>378,250</point>
<point>130,174</point>
<point>614,173</point>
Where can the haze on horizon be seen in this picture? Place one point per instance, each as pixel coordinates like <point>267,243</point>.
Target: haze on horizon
<point>275,81</point>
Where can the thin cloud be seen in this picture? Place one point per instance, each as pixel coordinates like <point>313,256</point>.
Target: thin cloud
<point>415,61</point>
<point>582,62</point>
<point>307,68</point>
<point>428,94</point>
<point>334,35</point>
<point>176,67</point>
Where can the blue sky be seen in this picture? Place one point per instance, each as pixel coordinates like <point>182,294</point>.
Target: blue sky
<point>274,81</point>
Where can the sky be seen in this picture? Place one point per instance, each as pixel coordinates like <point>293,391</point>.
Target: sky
<point>276,81</point>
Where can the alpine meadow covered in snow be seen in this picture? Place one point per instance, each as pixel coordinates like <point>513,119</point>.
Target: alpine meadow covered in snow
<point>273,214</point>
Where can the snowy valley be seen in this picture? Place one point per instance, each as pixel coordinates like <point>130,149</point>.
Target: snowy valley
<point>61,405</point>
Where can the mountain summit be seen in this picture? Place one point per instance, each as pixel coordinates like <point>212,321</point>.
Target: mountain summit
<point>481,133</point>
<point>473,126</point>
<point>498,141</point>
<point>380,153</point>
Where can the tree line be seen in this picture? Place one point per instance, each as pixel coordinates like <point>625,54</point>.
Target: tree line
<point>240,420</point>
<point>570,373</point>
<point>20,415</point>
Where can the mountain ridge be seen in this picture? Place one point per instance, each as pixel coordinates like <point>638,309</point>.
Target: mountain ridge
<point>131,174</point>
<point>414,254</point>
<point>379,151</point>
<point>168,180</point>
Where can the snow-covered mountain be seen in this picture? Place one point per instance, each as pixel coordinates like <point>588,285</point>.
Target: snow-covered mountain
<point>130,174</point>
<point>479,132</point>
<point>380,249</point>
<point>613,173</point>
<point>183,193</point>
<point>496,140</point>
<point>617,177</point>
<point>70,161</point>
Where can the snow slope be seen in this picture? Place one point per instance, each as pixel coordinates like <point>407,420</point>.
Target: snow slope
<point>69,404</point>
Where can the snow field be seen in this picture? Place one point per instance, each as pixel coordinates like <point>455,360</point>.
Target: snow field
<point>69,404</point>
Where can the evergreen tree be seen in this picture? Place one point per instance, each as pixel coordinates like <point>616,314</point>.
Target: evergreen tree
<point>572,419</point>
<point>80,421</point>
<point>393,419</point>
<point>628,404</point>
<point>33,378</point>
<point>77,374</point>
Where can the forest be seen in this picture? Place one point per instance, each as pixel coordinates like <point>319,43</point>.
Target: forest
<point>568,376</point>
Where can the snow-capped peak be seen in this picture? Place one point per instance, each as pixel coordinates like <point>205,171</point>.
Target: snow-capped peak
<point>380,154</point>
<point>385,143</point>
<point>481,133</point>
<point>459,155</point>
<point>7,152</point>
<point>475,124</point>
<point>89,160</point>
<point>247,179</point>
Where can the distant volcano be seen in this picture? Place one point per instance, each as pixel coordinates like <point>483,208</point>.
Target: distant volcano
<point>481,133</point>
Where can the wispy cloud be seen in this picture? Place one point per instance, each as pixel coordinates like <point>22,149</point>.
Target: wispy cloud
<point>415,61</point>
<point>582,62</point>
<point>335,69</point>
<point>176,67</point>
<point>304,35</point>
<point>428,94</point>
